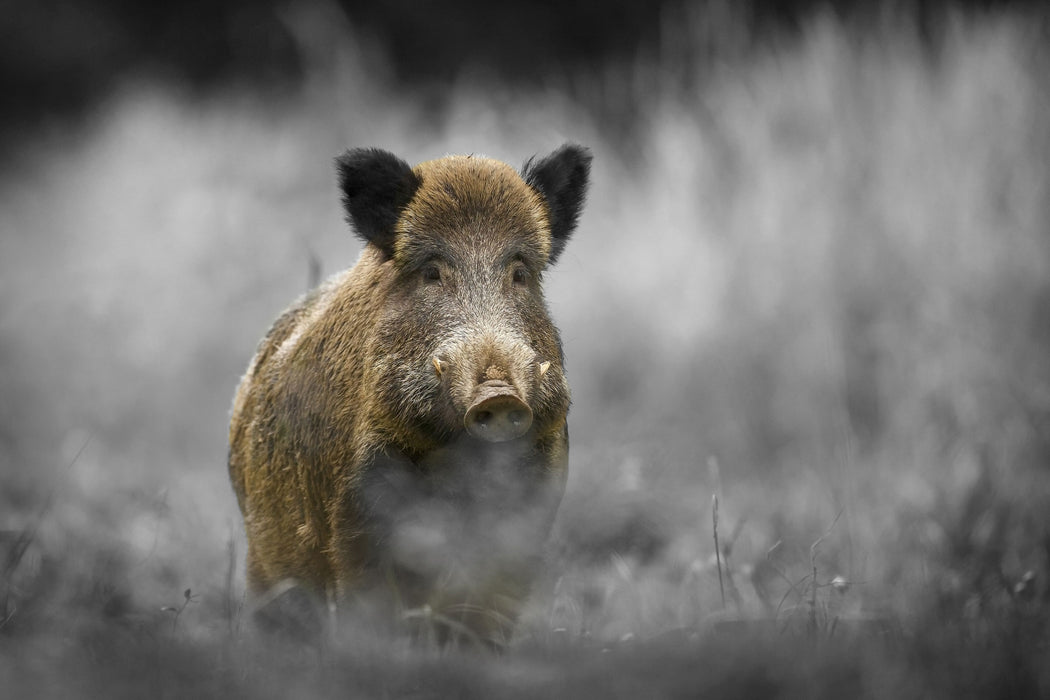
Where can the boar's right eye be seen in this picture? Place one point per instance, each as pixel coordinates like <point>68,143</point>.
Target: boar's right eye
<point>431,273</point>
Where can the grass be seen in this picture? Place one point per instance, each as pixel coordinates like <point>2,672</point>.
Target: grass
<point>812,280</point>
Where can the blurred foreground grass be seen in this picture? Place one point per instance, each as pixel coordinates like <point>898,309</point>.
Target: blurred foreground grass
<point>814,281</point>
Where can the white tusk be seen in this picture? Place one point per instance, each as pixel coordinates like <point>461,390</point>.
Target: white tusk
<point>544,366</point>
<point>439,367</point>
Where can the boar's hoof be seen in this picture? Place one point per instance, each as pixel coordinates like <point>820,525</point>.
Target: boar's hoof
<point>497,415</point>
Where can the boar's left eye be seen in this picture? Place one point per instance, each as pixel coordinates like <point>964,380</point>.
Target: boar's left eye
<point>431,273</point>
<point>520,274</point>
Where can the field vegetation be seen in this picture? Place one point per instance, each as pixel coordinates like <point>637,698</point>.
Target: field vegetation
<point>807,307</point>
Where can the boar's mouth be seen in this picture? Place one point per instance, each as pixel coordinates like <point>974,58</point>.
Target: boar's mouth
<point>497,414</point>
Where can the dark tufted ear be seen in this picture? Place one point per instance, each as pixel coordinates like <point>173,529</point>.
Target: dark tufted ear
<point>376,187</point>
<point>561,178</point>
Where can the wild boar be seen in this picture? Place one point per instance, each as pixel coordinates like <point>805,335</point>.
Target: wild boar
<point>402,428</point>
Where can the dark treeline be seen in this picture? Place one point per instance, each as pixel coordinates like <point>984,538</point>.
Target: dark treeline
<point>58,56</point>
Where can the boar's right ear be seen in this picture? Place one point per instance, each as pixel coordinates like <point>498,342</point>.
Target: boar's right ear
<point>561,178</point>
<point>376,187</point>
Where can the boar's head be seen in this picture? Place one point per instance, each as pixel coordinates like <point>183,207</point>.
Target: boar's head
<point>464,341</point>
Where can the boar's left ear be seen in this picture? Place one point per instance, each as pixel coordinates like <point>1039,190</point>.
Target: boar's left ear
<point>376,187</point>
<point>561,178</point>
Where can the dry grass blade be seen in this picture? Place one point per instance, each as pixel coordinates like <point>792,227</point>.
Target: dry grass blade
<point>718,550</point>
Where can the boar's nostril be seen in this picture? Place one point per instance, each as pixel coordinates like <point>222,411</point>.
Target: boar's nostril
<point>498,417</point>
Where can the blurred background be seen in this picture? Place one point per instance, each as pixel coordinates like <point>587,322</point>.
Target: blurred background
<point>812,278</point>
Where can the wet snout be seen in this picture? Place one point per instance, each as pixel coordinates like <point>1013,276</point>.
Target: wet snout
<point>497,413</point>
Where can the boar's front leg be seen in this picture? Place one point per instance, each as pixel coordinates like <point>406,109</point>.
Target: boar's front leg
<point>376,504</point>
<point>413,546</point>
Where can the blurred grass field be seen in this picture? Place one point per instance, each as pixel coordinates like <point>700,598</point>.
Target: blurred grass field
<point>812,278</point>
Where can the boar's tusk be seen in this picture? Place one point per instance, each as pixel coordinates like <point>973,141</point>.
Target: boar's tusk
<point>544,366</point>
<point>439,367</point>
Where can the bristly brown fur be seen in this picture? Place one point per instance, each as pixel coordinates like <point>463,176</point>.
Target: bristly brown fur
<point>350,419</point>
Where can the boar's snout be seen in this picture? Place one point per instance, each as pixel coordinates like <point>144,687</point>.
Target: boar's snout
<point>497,414</point>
